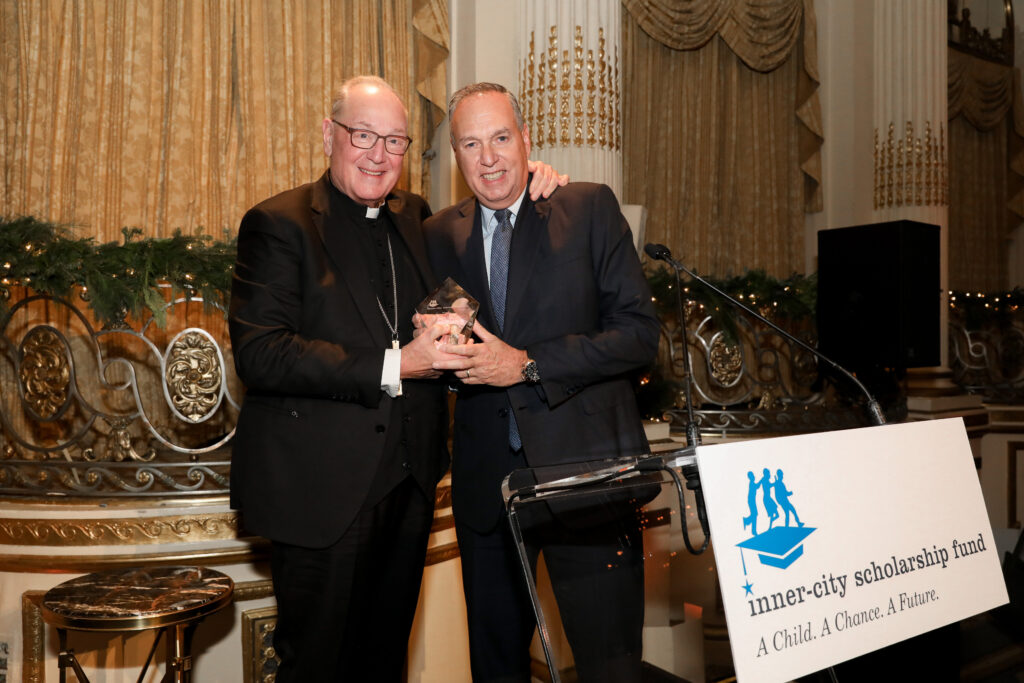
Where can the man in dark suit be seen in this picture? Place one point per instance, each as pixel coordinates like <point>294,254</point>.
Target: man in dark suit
<point>565,316</point>
<point>341,438</point>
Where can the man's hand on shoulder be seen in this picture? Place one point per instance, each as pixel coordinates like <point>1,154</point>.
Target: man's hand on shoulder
<point>545,179</point>
<point>489,361</point>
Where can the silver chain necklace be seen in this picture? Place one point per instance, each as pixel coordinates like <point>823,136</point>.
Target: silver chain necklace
<point>394,294</point>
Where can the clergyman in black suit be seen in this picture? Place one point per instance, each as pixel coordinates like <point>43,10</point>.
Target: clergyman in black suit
<point>337,452</point>
<point>559,331</point>
<point>342,435</point>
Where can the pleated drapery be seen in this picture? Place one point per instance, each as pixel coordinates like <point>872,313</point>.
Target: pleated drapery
<point>762,33</point>
<point>165,114</point>
<point>986,168</point>
<point>722,129</point>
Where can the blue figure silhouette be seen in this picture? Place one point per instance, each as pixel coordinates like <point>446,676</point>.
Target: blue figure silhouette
<point>751,520</point>
<point>769,505</point>
<point>782,496</point>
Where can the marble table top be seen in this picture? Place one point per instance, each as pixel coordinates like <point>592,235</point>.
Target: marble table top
<point>136,599</point>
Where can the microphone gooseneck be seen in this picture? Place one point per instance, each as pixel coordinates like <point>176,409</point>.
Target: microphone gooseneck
<point>690,472</point>
<point>662,253</point>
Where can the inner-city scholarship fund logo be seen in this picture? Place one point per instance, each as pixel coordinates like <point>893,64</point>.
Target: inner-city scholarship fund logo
<point>776,531</point>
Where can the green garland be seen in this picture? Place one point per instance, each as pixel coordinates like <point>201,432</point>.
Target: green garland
<point>124,279</point>
<point>794,298</point>
<point>118,279</point>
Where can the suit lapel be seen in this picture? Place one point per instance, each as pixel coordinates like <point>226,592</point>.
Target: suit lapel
<point>531,226</point>
<point>411,230</point>
<point>468,239</point>
<point>338,236</point>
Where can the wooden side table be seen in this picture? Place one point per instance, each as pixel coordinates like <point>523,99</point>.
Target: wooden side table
<point>173,599</point>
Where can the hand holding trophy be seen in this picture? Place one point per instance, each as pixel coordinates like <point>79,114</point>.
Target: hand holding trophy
<point>451,306</point>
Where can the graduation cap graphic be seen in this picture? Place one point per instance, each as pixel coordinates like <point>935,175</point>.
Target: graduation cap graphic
<point>781,544</point>
<point>779,547</point>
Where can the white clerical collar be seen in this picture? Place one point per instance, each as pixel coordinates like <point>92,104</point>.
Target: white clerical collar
<point>372,211</point>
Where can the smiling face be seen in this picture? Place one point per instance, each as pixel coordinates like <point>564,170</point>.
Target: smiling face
<point>490,149</point>
<point>365,175</point>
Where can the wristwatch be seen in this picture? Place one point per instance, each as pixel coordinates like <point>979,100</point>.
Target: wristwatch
<point>530,373</point>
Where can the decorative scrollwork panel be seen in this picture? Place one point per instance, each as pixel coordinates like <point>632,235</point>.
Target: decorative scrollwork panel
<point>989,362</point>
<point>194,375</point>
<point>118,411</point>
<point>45,372</point>
<point>750,379</point>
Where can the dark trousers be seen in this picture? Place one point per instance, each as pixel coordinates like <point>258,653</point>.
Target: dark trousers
<point>597,576</point>
<point>344,612</point>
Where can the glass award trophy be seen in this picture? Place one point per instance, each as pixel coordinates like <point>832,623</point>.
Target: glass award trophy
<point>452,306</point>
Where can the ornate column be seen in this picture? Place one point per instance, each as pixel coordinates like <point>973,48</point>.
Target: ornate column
<point>569,86</point>
<point>911,160</point>
<point>910,178</point>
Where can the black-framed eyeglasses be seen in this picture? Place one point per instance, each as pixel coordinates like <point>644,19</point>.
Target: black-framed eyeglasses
<point>366,139</point>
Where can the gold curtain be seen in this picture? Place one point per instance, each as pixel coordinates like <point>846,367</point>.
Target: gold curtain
<point>165,114</point>
<point>986,163</point>
<point>722,129</point>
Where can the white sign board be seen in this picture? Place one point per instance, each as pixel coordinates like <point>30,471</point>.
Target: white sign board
<point>832,545</point>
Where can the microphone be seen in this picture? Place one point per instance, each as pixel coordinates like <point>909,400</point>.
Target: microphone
<point>688,465</point>
<point>661,252</point>
<point>658,251</point>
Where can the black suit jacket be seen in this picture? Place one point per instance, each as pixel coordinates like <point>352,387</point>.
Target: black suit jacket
<point>308,341</point>
<point>578,302</point>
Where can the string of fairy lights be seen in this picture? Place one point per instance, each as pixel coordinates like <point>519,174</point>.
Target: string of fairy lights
<point>985,310</point>
<point>1008,301</point>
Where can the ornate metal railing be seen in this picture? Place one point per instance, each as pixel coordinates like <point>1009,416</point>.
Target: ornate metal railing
<point>116,411</point>
<point>136,411</point>
<point>752,380</point>
<point>988,361</point>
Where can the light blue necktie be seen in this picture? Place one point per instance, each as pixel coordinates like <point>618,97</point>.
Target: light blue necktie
<point>501,241</point>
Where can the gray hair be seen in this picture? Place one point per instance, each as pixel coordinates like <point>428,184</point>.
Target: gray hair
<point>484,87</point>
<point>342,93</point>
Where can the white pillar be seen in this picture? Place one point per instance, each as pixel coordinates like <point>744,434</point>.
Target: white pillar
<point>911,168</point>
<point>910,111</point>
<point>569,86</point>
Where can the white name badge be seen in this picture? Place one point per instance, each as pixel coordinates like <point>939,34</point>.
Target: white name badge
<point>832,545</point>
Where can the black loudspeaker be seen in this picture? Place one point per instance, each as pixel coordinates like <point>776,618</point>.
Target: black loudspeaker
<point>879,295</point>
